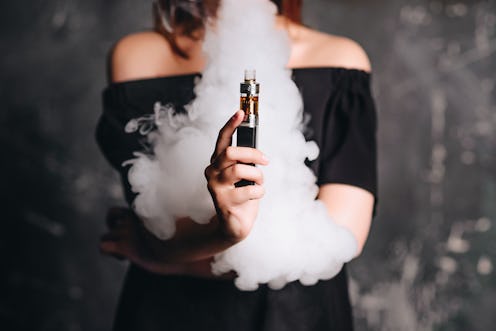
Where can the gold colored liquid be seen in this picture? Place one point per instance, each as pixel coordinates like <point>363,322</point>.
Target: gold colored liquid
<point>249,104</point>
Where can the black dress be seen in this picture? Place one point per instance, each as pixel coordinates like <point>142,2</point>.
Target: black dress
<point>343,123</point>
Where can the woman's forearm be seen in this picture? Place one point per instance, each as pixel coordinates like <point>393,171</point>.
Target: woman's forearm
<point>189,252</point>
<point>350,207</point>
<point>192,242</point>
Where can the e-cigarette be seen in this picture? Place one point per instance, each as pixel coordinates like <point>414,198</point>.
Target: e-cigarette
<point>247,130</point>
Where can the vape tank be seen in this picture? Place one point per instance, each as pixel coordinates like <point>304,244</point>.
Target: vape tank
<point>247,130</point>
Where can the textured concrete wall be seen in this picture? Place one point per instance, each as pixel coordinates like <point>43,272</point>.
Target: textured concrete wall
<point>429,261</point>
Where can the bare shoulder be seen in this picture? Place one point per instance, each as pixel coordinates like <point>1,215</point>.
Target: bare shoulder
<point>145,55</point>
<point>318,49</point>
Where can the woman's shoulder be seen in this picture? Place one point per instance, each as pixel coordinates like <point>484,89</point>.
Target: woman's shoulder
<point>312,48</point>
<point>137,56</point>
<point>145,55</point>
<point>148,54</point>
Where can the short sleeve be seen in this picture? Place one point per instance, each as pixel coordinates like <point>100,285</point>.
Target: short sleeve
<point>349,144</point>
<point>133,99</point>
<point>116,145</point>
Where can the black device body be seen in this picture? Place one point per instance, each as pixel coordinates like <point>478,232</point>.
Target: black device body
<point>246,137</point>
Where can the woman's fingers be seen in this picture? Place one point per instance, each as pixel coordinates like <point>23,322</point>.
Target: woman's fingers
<point>120,224</point>
<point>113,248</point>
<point>225,134</point>
<point>240,195</point>
<point>237,172</point>
<point>109,246</point>
<point>232,155</point>
<point>250,192</point>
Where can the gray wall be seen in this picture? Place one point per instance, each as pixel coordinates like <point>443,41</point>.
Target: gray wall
<point>429,261</point>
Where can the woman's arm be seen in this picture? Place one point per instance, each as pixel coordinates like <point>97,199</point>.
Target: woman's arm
<point>236,208</point>
<point>191,249</point>
<point>351,207</point>
<point>347,205</point>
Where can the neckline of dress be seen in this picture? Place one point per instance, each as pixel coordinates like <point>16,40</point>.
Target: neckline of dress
<point>199,74</point>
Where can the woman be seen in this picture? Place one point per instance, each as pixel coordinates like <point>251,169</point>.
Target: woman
<point>169,285</point>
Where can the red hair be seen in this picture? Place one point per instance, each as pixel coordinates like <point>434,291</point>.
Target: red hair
<point>184,23</point>
<point>290,9</point>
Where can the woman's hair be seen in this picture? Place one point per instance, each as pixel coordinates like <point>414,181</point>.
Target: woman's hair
<point>173,18</point>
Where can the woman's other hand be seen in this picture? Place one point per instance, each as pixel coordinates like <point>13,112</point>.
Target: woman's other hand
<point>127,238</point>
<point>237,207</point>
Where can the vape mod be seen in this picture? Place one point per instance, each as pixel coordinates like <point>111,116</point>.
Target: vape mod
<point>247,130</point>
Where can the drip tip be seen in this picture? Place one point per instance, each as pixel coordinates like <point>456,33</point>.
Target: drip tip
<point>250,74</point>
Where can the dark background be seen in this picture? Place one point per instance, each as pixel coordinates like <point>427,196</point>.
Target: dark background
<point>429,261</point>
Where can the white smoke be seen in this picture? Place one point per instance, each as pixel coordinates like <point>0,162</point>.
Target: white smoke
<point>293,237</point>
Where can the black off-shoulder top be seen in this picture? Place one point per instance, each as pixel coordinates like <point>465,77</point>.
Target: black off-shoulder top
<point>342,122</point>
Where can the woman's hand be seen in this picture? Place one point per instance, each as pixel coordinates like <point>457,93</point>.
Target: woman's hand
<point>237,207</point>
<point>127,238</point>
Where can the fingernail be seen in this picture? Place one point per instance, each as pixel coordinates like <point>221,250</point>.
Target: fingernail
<point>264,157</point>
